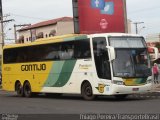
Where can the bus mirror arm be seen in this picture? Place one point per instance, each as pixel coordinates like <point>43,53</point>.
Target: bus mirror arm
<point>111,52</point>
<point>156,53</point>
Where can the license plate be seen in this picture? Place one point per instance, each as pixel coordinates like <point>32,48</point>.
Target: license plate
<point>135,89</point>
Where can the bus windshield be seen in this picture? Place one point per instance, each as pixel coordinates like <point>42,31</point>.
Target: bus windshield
<point>132,59</point>
<point>131,63</point>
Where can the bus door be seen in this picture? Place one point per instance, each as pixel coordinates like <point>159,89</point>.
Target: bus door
<point>102,63</point>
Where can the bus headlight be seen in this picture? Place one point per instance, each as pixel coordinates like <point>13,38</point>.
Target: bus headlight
<point>118,82</point>
<point>149,81</point>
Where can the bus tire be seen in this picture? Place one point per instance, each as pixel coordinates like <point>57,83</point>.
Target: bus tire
<point>19,89</point>
<point>86,91</point>
<point>27,89</point>
<point>121,97</point>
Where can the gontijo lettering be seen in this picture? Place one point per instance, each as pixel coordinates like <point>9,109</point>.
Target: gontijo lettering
<point>33,67</point>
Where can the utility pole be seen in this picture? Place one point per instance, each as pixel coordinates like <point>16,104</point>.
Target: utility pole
<point>1,23</point>
<point>125,17</point>
<point>15,30</point>
<point>75,16</point>
<point>136,24</point>
<point>4,21</point>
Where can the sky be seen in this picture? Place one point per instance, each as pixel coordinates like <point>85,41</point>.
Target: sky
<point>33,11</point>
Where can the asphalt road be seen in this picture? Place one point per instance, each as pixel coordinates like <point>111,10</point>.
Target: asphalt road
<point>73,104</point>
<point>73,107</point>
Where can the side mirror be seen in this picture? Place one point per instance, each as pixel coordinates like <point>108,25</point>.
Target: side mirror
<point>111,51</point>
<point>155,55</point>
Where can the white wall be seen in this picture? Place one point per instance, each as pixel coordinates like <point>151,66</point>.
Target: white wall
<point>61,28</point>
<point>65,28</point>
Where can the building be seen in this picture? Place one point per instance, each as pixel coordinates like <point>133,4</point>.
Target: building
<point>153,38</point>
<point>59,26</point>
<point>129,25</point>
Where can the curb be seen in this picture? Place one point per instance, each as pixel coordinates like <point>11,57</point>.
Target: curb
<point>155,94</point>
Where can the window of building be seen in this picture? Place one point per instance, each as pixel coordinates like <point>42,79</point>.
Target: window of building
<point>20,39</point>
<point>40,35</point>
<point>52,33</point>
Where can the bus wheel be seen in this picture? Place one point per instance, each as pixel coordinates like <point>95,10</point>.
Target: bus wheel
<point>120,97</point>
<point>19,89</point>
<point>87,92</point>
<point>27,89</point>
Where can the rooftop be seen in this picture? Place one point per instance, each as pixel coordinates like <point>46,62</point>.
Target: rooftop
<point>46,23</point>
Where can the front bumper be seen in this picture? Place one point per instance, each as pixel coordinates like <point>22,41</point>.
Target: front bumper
<point>122,89</point>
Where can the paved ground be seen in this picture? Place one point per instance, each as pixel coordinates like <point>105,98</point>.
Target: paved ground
<point>156,87</point>
<point>59,107</point>
<point>73,106</point>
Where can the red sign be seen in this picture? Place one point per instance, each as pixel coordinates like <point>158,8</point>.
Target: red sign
<point>101,16</point>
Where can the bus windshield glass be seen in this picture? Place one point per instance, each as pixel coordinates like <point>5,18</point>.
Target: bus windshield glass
<point>132,59</point>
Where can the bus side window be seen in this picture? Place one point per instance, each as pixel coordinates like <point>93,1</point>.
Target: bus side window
<point>52,52</point>
<point>66,51</point>
<point>82,49</point>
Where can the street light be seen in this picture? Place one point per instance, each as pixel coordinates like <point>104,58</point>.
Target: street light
<point>142,28</point>
<point>136,24</point>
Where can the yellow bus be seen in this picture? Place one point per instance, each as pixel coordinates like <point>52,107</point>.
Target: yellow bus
<point>91,65</point>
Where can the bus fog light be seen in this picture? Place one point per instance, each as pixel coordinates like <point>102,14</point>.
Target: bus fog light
<point>118,82</point>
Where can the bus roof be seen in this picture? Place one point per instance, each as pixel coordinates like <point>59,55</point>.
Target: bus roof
<point>114,34</point>
<point>67,37</point>
<point>48,40</point>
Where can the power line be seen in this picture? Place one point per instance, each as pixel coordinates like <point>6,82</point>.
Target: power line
<point>6,21</point>
<point>15,31</point>
<point>2,22</point>
<point>28,16</point>
<point>144,10</point>
<point>136,24</point>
